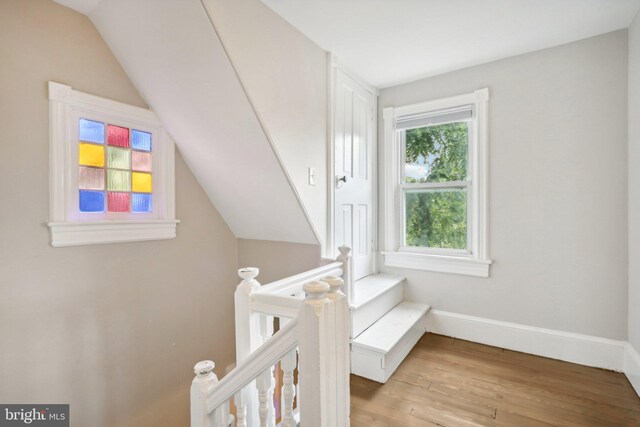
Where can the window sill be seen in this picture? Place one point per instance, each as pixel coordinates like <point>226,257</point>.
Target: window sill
<point>438,263</point>
<point>101,232</point>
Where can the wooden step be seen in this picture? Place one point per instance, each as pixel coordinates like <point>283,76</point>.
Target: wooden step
<point>373,296</point>
<point>378,351</point>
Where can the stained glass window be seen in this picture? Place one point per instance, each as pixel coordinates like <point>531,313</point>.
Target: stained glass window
<point>116,176</point>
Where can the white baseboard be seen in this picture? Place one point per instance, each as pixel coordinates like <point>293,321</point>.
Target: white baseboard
<point>632,366</point>
<point>570,347</point>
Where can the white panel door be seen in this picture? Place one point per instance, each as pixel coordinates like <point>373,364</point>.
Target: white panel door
<point>353,136</point>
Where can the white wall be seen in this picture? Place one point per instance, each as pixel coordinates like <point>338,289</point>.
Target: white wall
<point>558,189</point>
<point>285,75</point>
<point>634,183</point>
<point>113,330</point>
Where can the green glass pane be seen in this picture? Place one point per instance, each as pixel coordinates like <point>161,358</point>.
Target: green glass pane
<point>118,158</point>
<point>118,180</point>
<point>436,218</point>
<point>436,153</point>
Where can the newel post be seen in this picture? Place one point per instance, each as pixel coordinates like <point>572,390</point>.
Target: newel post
<point>248,338</point>
<point>201,388</point>
<point>347,270</point>
<point>323,360</point>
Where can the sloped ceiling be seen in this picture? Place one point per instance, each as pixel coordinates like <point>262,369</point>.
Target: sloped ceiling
<point>173,56</point>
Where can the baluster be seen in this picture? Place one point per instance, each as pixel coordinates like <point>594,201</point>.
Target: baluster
<point>241,409</point>
<point>347,271</point>
<point>288,364</point>
<point>265,382</point>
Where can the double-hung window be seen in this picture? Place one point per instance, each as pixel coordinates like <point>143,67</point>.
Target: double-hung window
<point>436,185</point>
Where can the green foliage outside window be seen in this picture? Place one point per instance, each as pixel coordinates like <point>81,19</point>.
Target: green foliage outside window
<point>437,218</point>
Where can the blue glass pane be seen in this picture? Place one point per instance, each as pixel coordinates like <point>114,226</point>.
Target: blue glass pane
<point>91,131</point>
<point>141,202</point>
<point>91,201</point>
<point>140,140</point>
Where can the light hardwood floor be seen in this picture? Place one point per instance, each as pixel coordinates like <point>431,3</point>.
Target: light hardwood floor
<point>450,382</point>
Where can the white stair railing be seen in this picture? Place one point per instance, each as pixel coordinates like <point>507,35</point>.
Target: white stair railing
<point>320,331</point>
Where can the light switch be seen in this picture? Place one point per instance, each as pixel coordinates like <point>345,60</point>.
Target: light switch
<point>312,176</point>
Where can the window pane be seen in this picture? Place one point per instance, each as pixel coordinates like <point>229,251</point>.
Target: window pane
<point>436,218</point>
<point>436,153</point>
<point>118,202</point>
<point>91,178</point>
<point>141,182</point>
<point>118,180</point>
<point>91,201</point>
<point>91,131</point>
<point>141,202</point>
<point>141,161</point>
<point>118,158</point>
<point>91,155</point>
<point>117,136</point>
<point>140,140</point>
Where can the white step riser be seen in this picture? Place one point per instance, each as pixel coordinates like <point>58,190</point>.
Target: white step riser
<point>369,313</point>
<point>378,366</point>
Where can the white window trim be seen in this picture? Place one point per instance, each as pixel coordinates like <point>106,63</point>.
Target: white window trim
<point>66,229</point>
<point>475,263</point>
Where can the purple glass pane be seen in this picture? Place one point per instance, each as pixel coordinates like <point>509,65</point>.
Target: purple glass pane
<point>140,140</point>
<point>91,131</point>
<point>141,202</point>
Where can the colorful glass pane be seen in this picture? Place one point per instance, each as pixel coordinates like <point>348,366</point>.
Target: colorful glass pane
<point>141,202</point>
<point>91,155</point>
<point>141,161</point>
<point>141,182</point>
<point>91,201</point>
<point>118,180</point>
<point>140,140</point>
<point>91,131</point>
<point>118,158</point>
<point>118,202</point>
<point>117,136</point>
<point>91,178</point>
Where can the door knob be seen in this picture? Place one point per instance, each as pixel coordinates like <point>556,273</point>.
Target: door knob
<point>341,180</point>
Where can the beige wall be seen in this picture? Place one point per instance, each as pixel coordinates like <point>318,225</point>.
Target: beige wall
<point>285,74</point>
<point>114,330</point>
<point>277,260</point>
<point>558,189</point>
<point>634,183</point>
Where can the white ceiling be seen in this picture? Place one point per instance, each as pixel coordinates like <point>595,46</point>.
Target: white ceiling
<point>390,42</point>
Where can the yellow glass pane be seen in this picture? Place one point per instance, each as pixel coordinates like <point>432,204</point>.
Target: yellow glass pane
<point>141,182</point>
<point>91,155</point>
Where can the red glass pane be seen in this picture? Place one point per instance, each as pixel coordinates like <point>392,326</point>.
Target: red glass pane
<point>117,136</point>
<point>118,202</point>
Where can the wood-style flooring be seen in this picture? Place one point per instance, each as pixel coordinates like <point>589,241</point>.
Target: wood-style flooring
<point>450,382</point>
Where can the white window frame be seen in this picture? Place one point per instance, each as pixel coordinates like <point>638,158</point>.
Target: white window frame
<point>69,226</point>
<point>475,260</point>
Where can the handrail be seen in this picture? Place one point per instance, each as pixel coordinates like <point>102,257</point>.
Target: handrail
<point>282,298</point>
<point>267,355</point>
<point>294,283</point>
